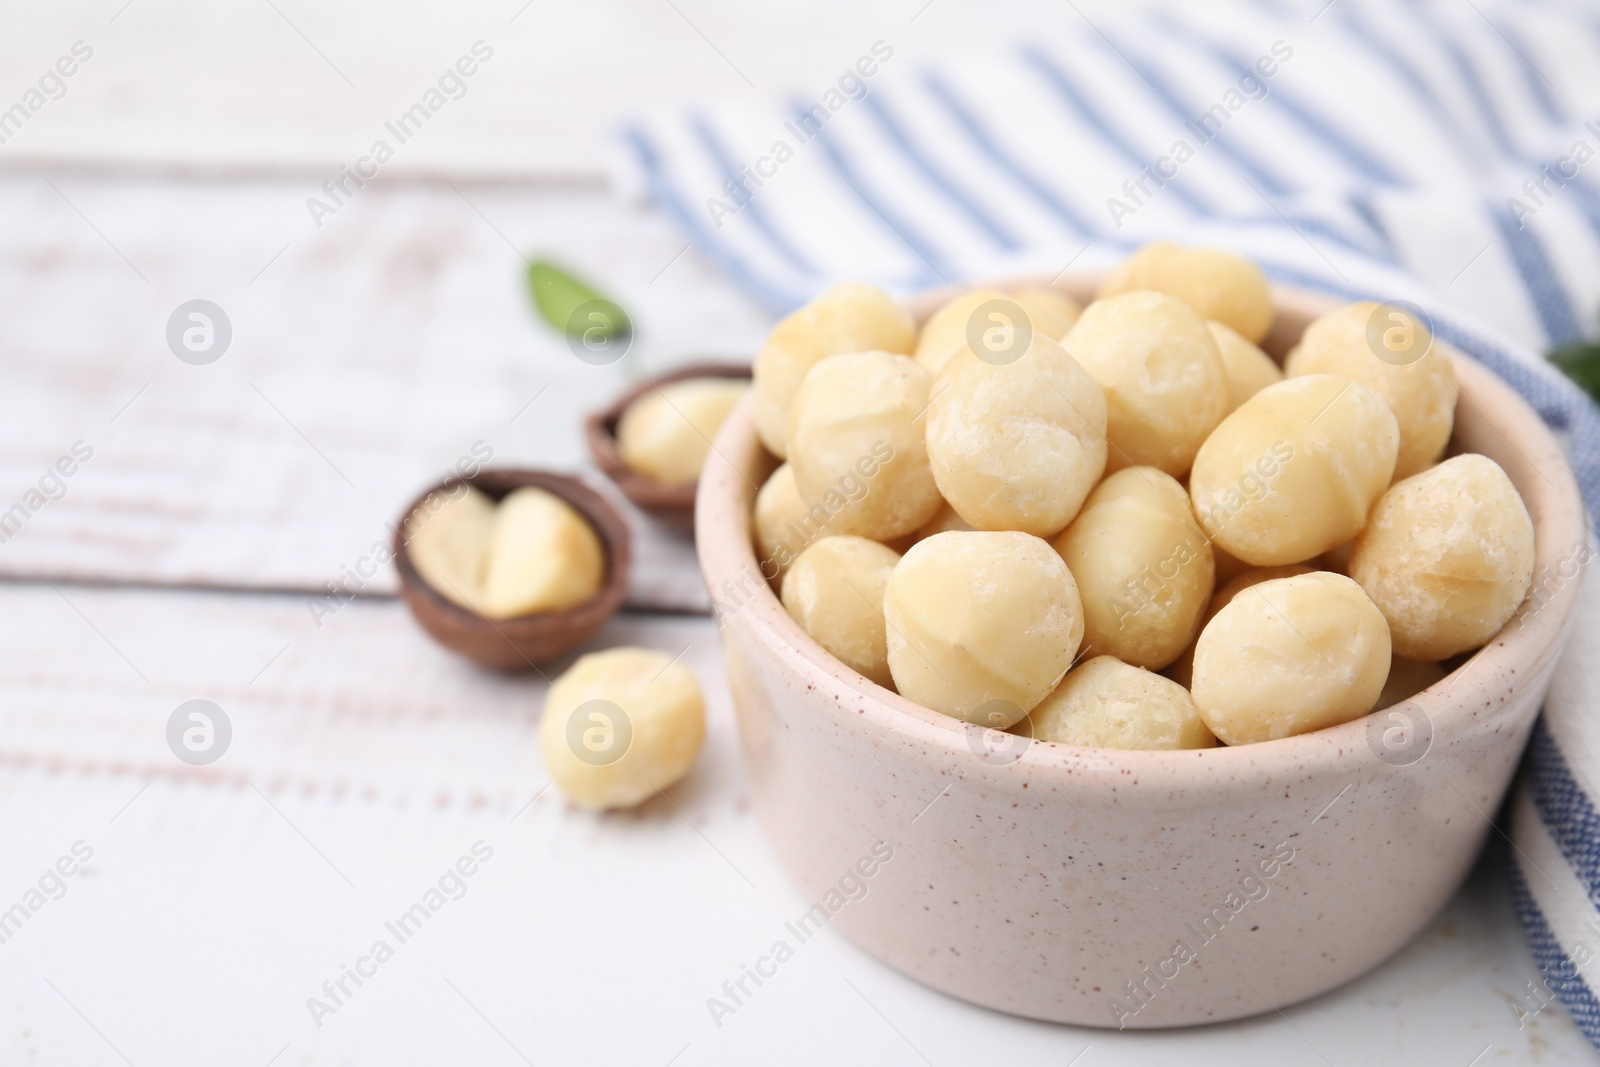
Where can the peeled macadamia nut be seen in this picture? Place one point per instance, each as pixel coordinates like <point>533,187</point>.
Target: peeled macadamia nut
<point>1143,567</point>
<point>949,331</point>
<point>1182,668</point>
<point>1018,445</point>
<point>1289,656</point>
<point>447,539</point>
<point>620,726</point>
<point>1105,703</point>
<point>785,524</point>
<point>944,520</point>
<point>981,626</point>
<point>835,592</point>
<point>543,556</point>
<point>856,443</point>
<point>1050,311</point>
<point>1447,557</point>
<point>1218,285</point>
<point>533,552</point>
<point>1165,384</point>
<point>945,332</point>
<point>847,318</point>
<point>1415,378</point>
<point>1295,471</point>
<point>666,433</point>
<point>1249,369</point>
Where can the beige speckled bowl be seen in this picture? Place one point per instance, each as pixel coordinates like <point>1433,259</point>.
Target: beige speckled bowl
<point>1139,889</point>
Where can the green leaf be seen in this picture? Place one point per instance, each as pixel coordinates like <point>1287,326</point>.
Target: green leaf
<point>573,306</point>
<point>1581,363</point>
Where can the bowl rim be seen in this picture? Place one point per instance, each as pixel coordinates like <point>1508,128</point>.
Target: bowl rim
<point>1514,658</point>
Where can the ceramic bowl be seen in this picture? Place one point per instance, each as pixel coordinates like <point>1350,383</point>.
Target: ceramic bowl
<point>672,505</point>
<point>1132,889</point>
<point>519,643</point>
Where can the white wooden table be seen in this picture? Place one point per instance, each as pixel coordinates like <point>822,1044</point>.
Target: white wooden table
<point>186,555</point>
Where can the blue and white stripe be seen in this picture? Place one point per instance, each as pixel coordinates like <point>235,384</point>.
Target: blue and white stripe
<point>1379,162</point>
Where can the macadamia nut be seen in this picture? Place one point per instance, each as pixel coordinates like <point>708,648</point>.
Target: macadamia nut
<point>447,540</point>
<point>1218,285</point>
<point>543,556</point>
<point>1416,378</point>
<point>945,332</point>
<point>857,443</point>
<point>1165,384</point>
<point>1447,557</point>
<point>1105,703</point>
<point>1143,568</point>
<point>785,524</point>
<point>1182,668</point>
<point>621,725</point>
<point>1017,445</point>
<point>1289,656</point>
<point>835,592</point>
<point>667,433</point>
<point>1295,471</point>
<point>1050,311</point>
<point>950,330</point>
<point>847,318</point>
<point>981,626</point>
<point>1249,369</point>
<point>944,520</point>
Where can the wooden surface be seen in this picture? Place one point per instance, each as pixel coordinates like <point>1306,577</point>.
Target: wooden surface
<point>366,359</point>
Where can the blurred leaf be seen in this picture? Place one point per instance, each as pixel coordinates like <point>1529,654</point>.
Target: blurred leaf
<point>1581,363</point>
<point>573,306</point>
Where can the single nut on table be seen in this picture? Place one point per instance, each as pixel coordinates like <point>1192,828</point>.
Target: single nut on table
<point>847,318</point>
<point>533,552</point>
<point>543,556</point>
<point>620,726</point>
<point>1295,471</point>
<point>857,443</point>
<point>1143,568</point>
<point>1165,384</point>
<point>1419,388</point>
<point>981,620</point>
<point>991,317</point>
<point>1105,703</point>
<point>666,434</point>
<point>1447,557</point>
<point>1181,669</point>
<point>1249,369</point>
<point>1289,656</point>
<point>1017,446</point>
<point>447,538</point>
<point>835,592</point>
<point>785,524</point>
<point>1219,285</point>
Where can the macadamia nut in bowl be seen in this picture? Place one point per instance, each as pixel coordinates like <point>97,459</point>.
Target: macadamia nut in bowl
<point>1051,878</point>
<point>653,440</point>
<point>512,567</point>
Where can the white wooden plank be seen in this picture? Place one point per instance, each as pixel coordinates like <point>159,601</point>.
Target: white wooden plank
<point>367,358</point>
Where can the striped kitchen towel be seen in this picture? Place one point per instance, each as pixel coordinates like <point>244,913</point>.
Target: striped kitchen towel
<point>1447,153</point>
